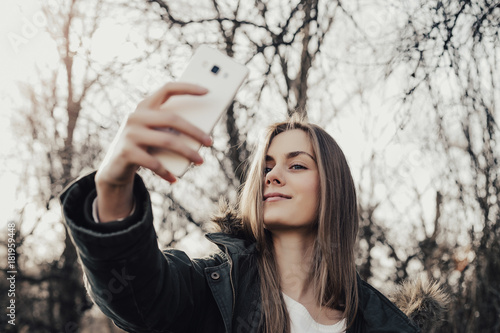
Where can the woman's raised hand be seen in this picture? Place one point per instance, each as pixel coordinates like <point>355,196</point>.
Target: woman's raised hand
<point>132,148</point>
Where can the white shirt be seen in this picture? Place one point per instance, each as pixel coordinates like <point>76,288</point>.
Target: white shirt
<point>301,320</point>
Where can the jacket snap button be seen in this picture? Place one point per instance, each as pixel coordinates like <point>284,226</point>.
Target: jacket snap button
<point>215,276</point>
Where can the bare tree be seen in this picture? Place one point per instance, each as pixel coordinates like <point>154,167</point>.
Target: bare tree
<point>451,51</point>
<point>282,43</point>
<point>58,130</point>
<point>283,38</point>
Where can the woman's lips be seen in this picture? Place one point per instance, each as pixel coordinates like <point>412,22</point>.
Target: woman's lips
<point>276,197</point>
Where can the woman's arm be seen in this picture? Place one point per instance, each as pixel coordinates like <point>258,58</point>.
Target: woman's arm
<point>132,145</point>
<point>127,276</point>
<point>132,281</point>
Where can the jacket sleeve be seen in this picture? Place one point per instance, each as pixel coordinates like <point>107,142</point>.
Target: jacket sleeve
<point>127,276</point>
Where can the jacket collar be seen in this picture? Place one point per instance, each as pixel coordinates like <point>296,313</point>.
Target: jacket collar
<point>373,306</point>
<point>232,244</point>
<point>230,236</point>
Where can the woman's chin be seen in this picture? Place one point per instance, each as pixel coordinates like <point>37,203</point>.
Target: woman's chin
<point>280,226</point>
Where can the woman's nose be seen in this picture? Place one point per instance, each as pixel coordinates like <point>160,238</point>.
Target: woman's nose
<point>274,177</point>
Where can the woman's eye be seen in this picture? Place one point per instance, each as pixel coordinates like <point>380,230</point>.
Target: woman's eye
<point>298,167</point>
<point>267,170</point>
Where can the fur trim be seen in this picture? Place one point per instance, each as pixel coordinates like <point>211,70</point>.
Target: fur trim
<point>227,219</point>
<point>422,301</point>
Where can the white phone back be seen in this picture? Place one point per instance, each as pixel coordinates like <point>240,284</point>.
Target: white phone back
<point>203,111</point>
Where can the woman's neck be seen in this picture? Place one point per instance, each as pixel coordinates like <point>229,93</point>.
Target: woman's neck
<point>294,257</point>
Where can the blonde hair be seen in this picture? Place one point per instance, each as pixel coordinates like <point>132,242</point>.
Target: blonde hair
<point>333,272</point>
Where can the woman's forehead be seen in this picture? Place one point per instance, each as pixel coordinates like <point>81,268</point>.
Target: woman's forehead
<point>290,141</point>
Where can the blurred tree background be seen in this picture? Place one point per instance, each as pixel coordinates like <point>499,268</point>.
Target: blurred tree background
<point>408,88</point>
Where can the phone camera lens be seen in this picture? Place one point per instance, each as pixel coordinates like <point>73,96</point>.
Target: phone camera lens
<point>215,69</point>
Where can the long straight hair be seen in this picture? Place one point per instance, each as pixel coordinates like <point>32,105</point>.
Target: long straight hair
<point>332,272</point>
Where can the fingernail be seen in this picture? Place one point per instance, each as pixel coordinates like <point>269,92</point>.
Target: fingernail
<point>198,161</point>
<point>202,90</point>
<point>208,140</point>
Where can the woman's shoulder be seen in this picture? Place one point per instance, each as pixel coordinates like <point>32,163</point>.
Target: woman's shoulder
<point>228,232</point>
<point>227,220</point>
<point>413,306</point>
<point>422,301</point>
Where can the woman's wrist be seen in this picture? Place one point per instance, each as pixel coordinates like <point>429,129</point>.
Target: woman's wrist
<point>114,202</point>
<point>95,212</point>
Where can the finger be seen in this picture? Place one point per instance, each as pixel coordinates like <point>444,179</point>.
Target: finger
<point>141,158</point>
<point>167,175</point>
<point>171,89</point>
<point>165,140</point>
<point>155,120</point>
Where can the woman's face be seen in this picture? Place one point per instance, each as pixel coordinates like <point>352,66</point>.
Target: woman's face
<point>291,182</point>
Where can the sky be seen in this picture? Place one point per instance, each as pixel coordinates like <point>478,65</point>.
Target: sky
<point>22,39</point>
<point>25,46</point>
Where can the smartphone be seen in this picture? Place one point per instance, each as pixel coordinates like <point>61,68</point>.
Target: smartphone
<point>222,76</point>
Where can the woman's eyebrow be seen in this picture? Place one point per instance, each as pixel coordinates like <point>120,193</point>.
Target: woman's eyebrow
<point>292,154</point>
<point>297,153</point>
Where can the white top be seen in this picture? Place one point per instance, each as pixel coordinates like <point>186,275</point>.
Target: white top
<point>301,320</point>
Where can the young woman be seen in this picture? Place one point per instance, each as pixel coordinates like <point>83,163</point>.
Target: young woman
<point>287,255</point>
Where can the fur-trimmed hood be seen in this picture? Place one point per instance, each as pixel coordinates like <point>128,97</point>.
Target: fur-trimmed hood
<point>227,220</point>
<point>422,301</point>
